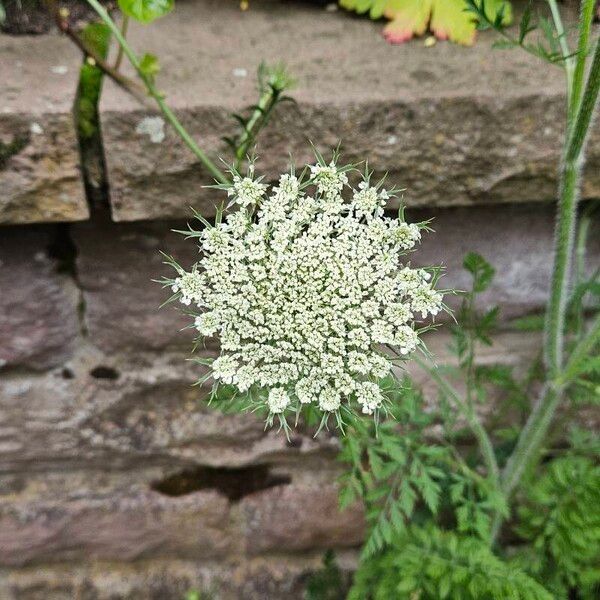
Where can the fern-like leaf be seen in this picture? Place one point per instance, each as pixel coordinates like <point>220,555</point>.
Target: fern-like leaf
<point>561,521</point>
<point>429,563</point>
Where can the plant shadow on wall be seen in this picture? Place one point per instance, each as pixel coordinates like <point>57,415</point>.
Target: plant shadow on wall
<point>307,286</point>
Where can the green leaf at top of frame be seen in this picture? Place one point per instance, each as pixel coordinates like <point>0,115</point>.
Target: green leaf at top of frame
<point>146,11</point>
<point>149,65</point>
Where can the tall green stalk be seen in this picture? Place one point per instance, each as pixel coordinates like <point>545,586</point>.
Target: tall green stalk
<point>155,94</point>
<point>580,114</point>
<point>586,16</point>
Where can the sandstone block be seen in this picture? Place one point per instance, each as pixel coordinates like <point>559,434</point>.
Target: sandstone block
<point>118,527</point>
<point>39,157</point>
<point>117,266</point>
<point>142,417</point>
<point>296,518</point>
<point>164,579</point>
<point>454,126</point>
<point>38,305</point>
<point>516,240</point>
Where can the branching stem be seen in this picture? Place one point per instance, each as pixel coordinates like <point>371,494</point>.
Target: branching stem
<point>536,429</point>
<point>564,47</point>
<point>156,95</point>
<point>125,83</point>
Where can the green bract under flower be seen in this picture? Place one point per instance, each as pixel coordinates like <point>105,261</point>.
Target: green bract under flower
<point>308,292</point>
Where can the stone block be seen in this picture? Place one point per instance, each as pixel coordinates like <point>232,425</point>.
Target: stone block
<point>117,266</point>
<point>516,240</point>
<point>166,579</point>
<point>118,527</point>
<point>38,304</point>
<point>296,518</point>
<point>40,180</point>
<point>144,418</point>
<point>453,126</point>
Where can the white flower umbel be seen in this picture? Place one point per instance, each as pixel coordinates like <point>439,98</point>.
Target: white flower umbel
<point>309,294</point>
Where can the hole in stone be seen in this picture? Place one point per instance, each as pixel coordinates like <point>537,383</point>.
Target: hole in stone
<point>66,373</point>
<point>102,372</point>
<point>233,483</point>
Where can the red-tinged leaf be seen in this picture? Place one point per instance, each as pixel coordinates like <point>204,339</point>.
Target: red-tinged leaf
<point>447,19</point>
<point>409,17</point>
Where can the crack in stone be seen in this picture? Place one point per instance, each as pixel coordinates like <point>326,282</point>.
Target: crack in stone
<point>63,250</point>
<point>234,483</point>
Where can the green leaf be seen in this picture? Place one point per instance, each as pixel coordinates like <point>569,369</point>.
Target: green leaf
<point>453,20</point>
<point>525,26</point>
<point>481,270</point>
<point>429,563</point>
<point>146,11</point>
<point>486,324</point>
<point>529,323</point>
<point>149,65</point>
<point>561,521</point>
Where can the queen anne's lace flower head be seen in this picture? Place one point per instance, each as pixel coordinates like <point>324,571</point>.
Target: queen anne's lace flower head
<point>308,292</point>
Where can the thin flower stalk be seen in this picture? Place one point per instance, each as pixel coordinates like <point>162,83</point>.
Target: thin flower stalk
<point>156,95</point>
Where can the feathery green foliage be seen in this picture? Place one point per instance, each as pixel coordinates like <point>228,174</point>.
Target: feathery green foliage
<point>560,520</point>
<point>393,470</point>
<point>434,540</point>
<point>428,563</point>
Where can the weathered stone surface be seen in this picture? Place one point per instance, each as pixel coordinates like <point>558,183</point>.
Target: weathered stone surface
<point>154,413</point>
<point>259,579</point>
<point>117,266</point>
<point>118,527</point>
<point>455,126</point>
<point>38,305</point>
<point>142,416</point>
<point>39,159</point>
<point>146,421</point>
<point>298,518</point>
<point>516,240</point>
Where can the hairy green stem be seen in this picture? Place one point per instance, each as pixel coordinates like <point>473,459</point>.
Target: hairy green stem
<point>534,433</point>
<point>585,111</point>
<point>586,17</point>
<point>570,176</point>
<point>156,95</point>
<point>580,250</point>
<point>582,239</point>
<point>563,251</point>
<point>581,352</point>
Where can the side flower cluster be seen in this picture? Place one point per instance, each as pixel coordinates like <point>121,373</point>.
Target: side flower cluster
<point>308,291</point>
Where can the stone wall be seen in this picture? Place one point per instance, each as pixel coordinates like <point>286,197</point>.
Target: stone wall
<point>115,480</point>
